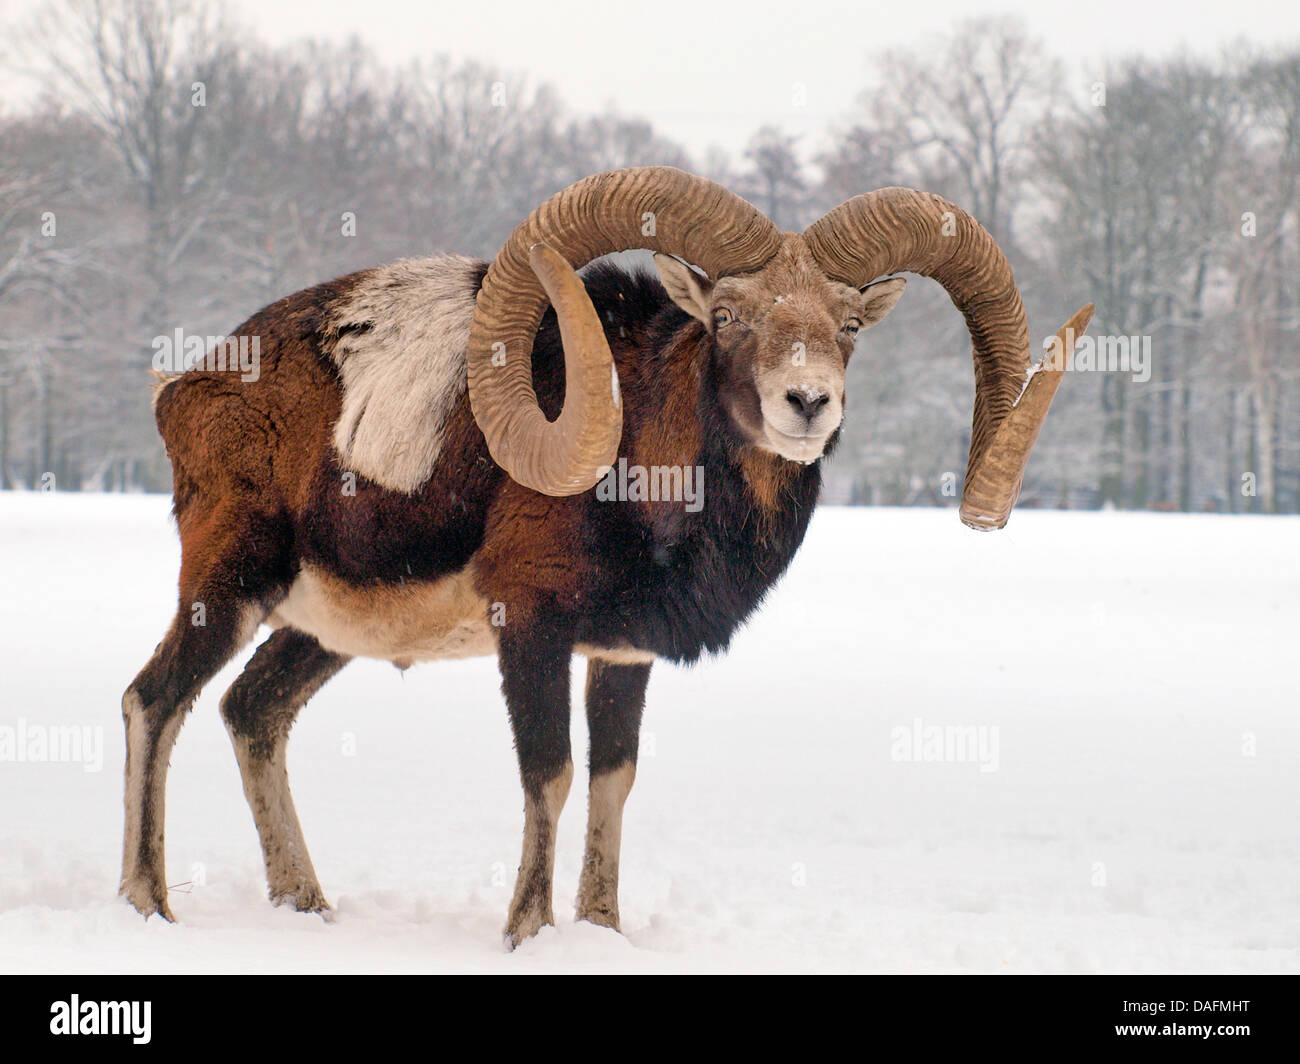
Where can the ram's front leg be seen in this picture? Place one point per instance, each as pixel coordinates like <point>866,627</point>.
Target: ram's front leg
<point>535,678</point>
<point>615,699</point>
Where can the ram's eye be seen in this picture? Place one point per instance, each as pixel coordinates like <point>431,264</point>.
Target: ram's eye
<point>722,316</point>
<point>851,326</point>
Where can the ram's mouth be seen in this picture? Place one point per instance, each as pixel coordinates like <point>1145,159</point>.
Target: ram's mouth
<point>802,449</point>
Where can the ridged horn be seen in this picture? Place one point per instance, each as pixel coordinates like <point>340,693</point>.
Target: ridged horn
<point>986,502</point>
<point>659,208</point>
<point>895,230</point>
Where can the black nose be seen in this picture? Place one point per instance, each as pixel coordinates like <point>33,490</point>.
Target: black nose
<point>807,404</point>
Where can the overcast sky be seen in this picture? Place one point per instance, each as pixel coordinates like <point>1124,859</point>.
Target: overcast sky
<point>712,71</point>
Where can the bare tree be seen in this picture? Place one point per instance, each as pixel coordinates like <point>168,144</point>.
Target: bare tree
<point>1264,260</point>
<point>141,70</point>
<point>965,107</point>
<point>774,179</point>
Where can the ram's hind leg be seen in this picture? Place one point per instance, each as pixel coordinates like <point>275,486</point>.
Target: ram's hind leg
<point>259,709</point>
<point>225,594</point>
<point>615,699</point>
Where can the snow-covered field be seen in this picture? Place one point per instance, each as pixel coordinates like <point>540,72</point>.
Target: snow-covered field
<point>1134,806</point>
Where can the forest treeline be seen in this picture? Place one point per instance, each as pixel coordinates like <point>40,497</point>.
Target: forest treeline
<point>172,172</point>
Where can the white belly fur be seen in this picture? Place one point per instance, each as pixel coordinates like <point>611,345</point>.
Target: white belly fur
<point>411,622</point>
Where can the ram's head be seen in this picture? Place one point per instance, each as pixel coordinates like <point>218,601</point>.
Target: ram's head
<point>782,339</point>
<point>784,306</point>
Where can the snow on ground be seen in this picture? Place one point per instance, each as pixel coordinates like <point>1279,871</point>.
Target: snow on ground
<point>1139,670</point>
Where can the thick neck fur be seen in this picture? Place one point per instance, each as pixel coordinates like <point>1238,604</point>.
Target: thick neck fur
<point>675,409</point>
<point>696,576</point>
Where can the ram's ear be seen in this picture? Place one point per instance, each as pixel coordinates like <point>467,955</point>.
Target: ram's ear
<point>688,289</point>
<point>879,297</point>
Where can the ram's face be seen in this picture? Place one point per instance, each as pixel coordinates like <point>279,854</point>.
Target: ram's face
<point>782,341</point>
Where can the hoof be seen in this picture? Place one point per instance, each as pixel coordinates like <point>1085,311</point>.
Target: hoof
<point>147,899</point>
<point>524,926</point>
<point>303,899</point>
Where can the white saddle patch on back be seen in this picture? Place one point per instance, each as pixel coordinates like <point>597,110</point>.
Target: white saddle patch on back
<point>402,365</point>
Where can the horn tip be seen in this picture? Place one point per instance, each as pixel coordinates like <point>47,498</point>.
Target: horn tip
<point>1082,317</point>
<point>548,264</point>
<point>982,522</point>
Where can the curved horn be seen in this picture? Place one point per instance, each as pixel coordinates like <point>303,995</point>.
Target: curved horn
<point>893,230</point>
<point>656,207</point>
